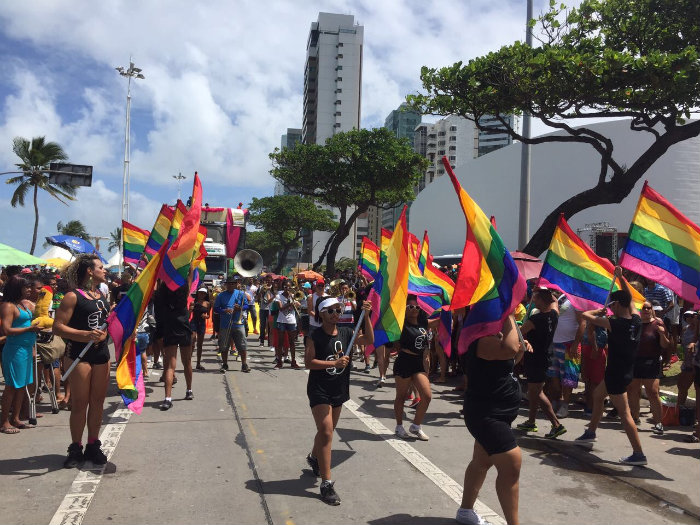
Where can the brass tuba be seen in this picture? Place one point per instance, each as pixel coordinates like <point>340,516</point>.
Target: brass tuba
<point>248,263</point>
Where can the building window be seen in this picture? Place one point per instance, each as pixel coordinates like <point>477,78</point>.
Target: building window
<point>441,152</point>
<point>453,128</point>
<point>338,68</point>
<point>336,125</point>
<point>442,134</point>
<point>453,158</point>
<point>340,44</point>
<point>337,114</point>
<point>339,56</point>
<point>339,90</point>
<point>453,148</point>
<point>441,143</point>
<point>432,177</point>
<point>453,138</point>
<point>338,102</point>
<point>339,79</point>
<point>441,171</point>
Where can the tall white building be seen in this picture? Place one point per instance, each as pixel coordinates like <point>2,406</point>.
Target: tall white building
<point>332,97</point>
<point>456,137</point>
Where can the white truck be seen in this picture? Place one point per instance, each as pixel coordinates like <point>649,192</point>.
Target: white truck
<point>223,231</point>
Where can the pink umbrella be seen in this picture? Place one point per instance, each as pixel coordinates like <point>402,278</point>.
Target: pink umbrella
<point>528,265</point>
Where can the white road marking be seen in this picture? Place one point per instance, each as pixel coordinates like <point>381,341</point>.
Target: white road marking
<point>76,503</point>
<point>423,464</point>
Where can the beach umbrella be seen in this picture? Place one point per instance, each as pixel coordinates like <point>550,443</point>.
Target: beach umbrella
<point>10,256</point>
<point>74,245</point>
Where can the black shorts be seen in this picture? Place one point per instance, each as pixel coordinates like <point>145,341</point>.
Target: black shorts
<point>321,396</point>
<point>490,431</point>
<point>407,365</point>
<point>647,368</point>
<point>198,327</point>
<point>181,338</point>
<point>536,370</point>
<point>96,355</point>
<point>617,383</point>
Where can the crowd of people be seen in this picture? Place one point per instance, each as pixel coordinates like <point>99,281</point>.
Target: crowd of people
<point>542,353</point>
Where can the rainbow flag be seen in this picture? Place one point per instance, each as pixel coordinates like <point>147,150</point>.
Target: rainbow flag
<point>573,268</point>
<point>664,245</point>
<point>135,240</point>
<point>424,252</point>
<point>178,259</point>
<point>386,239</point>
<point>434,275</point>
<point>369,259</point>
<point>199,266</point>
<point>429,294</point>
<point>179,213</point>
<point>488,278</point>
<point>390,289</point>
<point>158,235</point>
<point>445,331</point>
<point>122,322</point>
<point>414,246</point>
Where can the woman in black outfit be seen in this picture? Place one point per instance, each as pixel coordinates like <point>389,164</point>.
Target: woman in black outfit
<point>491,404</point>
<point>328,386</point>
<point>79,321</point>
<point>411,367</point>
<point>200,313</point>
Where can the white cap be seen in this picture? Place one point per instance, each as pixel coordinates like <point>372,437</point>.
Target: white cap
<point>203,290</point>
<point>688,312</point>
<point>327,303</point>
<point>658,308</point>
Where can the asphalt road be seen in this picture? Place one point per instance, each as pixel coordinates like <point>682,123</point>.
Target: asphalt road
<point>235,454</point>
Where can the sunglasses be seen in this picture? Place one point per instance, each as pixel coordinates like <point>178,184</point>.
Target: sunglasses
<point>645,308</point>
<point>334,311</point>
<point>412,307</point>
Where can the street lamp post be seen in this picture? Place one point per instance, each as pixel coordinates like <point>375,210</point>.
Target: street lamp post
<point>524,222</point>
<point>179,178</point>
<point>131,72</point>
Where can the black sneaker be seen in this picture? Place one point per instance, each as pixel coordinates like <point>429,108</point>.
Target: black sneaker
<point>245,368</point>
<point>313,463</point>
<point>223,369</point>
<point>94,453</point>
<point>328,493</point>
<point>166,405</point>
<point>612,414</point>
<point>189,396</point>
<point>75,456</point>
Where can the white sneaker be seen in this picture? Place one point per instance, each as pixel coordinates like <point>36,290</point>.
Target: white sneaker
<point>401,432</point>
<point>418,433</point>
<point>563,411</point>
<point>469,517</point>
<point>381,382</point>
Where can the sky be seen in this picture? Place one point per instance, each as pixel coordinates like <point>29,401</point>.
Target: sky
<point>223,82</point>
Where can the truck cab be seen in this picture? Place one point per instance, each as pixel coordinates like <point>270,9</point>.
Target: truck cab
<point>218,254</point>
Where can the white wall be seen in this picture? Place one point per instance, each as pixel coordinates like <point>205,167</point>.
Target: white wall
<point>559,171</point>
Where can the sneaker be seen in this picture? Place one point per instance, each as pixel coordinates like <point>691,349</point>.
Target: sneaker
<point>313,463</point>
<point>367,369</point>
<point>527,426</point>
<point>287,360</point>
<point>94,453</point>
<point>328,493</point>
<point>75,456</point>
<point>166,405</point>
<point>189,396</point>
<point>612,414</point>
<point>587,437</point>
<point>381,382</point>
<point>414,403</point>
<point>295,366</point>
<point>417,432</point>
<point>555,432</point>
<point>637,458</point>
<point>278,363</point>
<point>563,412</point>
<point>658,429</point>
<point>200,367</point>
<point>223,369</point>
<point>469,517</point>
<point>401,432</point>
<point>587,411</point>
<point>245,368</point>
<point>157,365</point>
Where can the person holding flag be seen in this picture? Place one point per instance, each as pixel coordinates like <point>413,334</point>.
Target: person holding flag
<point>230,305</point>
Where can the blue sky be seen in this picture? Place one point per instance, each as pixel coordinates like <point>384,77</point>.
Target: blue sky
<point>223,82</point>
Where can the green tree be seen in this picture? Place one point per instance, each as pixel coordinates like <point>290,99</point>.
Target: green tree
<point>74,228</point>
<point>351,172</point>
<point>638,59</point>
<point>36,157</point>
<point>284,217</point>
<point>263,243</point>
<point>115,240</point>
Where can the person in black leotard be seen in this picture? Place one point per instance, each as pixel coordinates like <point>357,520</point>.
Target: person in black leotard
<point>328,391</point>
<point>200,313</point>
<point>411,367</point>
<point>79,320</point>
<point>491,404</point>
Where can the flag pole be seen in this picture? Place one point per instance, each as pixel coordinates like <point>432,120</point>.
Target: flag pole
<point>81,355</point>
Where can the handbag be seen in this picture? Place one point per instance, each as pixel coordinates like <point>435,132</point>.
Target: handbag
<point>49,347</point>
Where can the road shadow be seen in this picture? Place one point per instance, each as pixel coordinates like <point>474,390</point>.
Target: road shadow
<point>409,519</point>
<point>298,487</point>
<point>690,452</point>
<point>348,435</point>
<point>25,467</point>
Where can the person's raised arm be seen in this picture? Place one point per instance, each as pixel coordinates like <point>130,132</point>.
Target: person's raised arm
<point>624,285</point>
<point>597,318</point>
<point>367,337</point>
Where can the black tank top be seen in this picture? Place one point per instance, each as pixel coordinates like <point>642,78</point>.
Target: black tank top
<point>491,386</point>
<point>88,314</point>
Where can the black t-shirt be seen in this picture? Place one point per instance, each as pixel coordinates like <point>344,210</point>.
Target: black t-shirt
<point>492,388</point>
<point>172,311</point>
<point>326,346</point>
<point>623,340</point>
<point>88,314</point>
<point>541,336</point>
<point>415,338</point>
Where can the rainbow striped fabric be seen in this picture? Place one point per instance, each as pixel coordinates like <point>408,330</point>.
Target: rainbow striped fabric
<point>664,245</point>
<point>122,323</point>
<point>135,240</point>
<point>390,289</point>
<point>573,268</point>
<point>178,259</point>
<point>424,252</point>
<point>488,278</point>
<point>369,259</point>
<point>158,235</point>
<point>386,239</point>
<point>434,275</point>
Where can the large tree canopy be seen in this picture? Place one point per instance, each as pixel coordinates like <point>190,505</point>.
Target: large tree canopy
<point>638,59</point>
<point>351,172</point>
<point>284,217</point>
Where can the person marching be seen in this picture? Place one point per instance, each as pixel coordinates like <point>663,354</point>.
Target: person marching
<point>79,320</point>
<point>624,329</point>
<point>328,386</point>
<point>200,313</point>
<point>411,367</point>
<point>286,325</point>
<point>230,305</point>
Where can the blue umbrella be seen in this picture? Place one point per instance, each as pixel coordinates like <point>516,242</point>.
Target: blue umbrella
<point>74,245</point>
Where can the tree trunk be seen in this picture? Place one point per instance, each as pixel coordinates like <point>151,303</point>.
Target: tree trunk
<point>613,191</point>
<point>333,249</point>
<point>36,219</point>
<point>282,256</point>
<point>319,261</point>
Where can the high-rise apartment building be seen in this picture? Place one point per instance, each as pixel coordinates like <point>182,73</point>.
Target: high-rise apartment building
<point>454,137</point>
<point>332,97</point>
<point>289,140</point>
<point>496,137</point>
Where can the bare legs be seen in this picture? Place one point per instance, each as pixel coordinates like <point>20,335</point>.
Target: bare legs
<point>11,401</point>
<point>422,385</point>
<point>651,386</point>
<point>536,399</point>
<point>326,419</point>
<point>88,391</point>
<point>619,401</point>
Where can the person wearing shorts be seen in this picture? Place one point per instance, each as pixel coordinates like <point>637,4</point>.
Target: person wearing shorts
<point>594,354</point>
<point>624,328</point>
<point>491,404</point>
<point>410,368</point>
<point>286,325</point>
<point>328,385</point>
<point>565,366</point>
<point>230,305</point>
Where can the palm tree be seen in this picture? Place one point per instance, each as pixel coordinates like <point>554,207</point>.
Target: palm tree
<point>73,228</point>
<point>115,240</point>
<point>36,157</point>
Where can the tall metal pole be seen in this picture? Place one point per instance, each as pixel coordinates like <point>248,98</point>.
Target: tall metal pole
<point>524,219</point>
<point>179,178</point>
